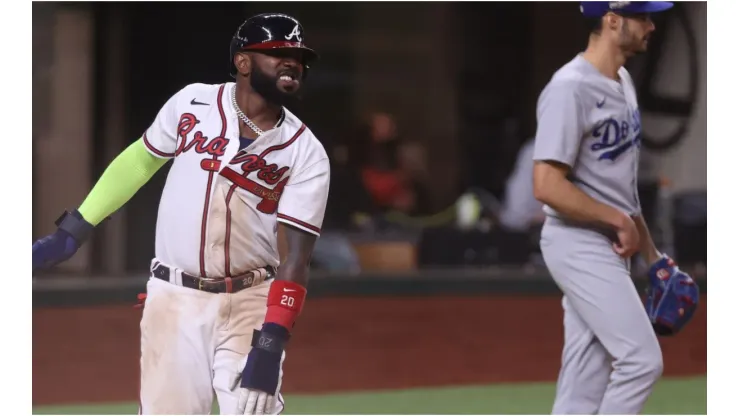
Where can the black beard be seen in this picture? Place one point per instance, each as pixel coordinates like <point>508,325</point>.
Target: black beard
<point>266,86</point>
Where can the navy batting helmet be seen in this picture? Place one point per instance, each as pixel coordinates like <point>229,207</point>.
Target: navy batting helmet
<point>268,31</point>
<point>600,8</point>
<point>672,297</point>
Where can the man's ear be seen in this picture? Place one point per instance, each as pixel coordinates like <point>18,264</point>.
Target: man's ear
<point>612,21</point>
<point>243,63</point>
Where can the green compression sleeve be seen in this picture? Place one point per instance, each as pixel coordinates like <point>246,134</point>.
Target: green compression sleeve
<point>128,172</point>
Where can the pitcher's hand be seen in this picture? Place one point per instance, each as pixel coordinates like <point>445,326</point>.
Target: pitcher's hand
<point>629,238</point>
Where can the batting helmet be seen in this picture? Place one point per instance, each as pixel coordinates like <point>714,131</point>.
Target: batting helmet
<point>672,297</point>
<point>268,31</point>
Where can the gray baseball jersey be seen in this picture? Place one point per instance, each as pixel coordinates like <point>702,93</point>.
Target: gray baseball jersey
<point>611,356</point>
<point>592,124</point>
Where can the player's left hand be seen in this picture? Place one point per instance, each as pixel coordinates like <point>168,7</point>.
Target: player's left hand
<point>672,297</point>
<point>262,372</point>
<point>255,402</point>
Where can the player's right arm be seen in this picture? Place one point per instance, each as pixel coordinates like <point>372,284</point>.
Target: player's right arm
<point>128,172</point>
<point>552,187</point>
<point>125,175</point>
<point>135,166</point>
<point>561,121</point>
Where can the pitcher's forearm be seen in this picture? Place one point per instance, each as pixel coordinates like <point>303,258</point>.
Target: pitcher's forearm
<point>648,251</point>
<point>553,189</point>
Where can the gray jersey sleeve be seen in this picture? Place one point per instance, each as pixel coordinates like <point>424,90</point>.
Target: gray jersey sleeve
<point>560,123</point>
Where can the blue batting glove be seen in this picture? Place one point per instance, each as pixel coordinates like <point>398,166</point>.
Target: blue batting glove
<point>61,245</point>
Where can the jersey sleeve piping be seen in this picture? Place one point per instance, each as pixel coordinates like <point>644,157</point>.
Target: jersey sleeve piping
<point>299,224</point>
<point>153,150</point>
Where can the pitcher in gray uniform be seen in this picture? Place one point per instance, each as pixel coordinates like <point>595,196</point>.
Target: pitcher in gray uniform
<point>586,158</point>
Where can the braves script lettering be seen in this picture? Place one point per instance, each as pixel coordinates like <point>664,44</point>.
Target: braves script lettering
<point>270,174</point>
<point>201,143</point>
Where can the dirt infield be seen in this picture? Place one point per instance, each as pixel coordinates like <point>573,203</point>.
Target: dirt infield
<point>91,354</point>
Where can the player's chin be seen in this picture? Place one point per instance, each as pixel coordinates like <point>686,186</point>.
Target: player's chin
<point>640,48</point>
<point>287,98</point>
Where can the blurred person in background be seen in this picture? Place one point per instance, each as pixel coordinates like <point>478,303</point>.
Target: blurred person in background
<point>520,210</point>
<point>387,174</point>
<point>375,172</point>
<point>334,250</point>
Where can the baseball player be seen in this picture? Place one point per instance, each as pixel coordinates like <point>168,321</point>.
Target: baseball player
<point>586,158</point>
<point>241,209</point>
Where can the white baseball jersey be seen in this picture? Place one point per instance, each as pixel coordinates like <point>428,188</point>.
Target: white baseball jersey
<point>220,205</point>
<point>592,123</point>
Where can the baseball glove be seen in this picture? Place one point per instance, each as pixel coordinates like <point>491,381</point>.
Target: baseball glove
<point>672,297</point>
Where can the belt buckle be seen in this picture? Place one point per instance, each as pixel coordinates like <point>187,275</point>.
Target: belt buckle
<point>200,284</point>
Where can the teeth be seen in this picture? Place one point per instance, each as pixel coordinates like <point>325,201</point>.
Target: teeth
<point>286,78</point>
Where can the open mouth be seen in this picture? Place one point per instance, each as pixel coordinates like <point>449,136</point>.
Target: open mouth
<point>288,81</point>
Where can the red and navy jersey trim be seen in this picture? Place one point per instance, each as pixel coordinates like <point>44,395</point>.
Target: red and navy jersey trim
<point>154,150</point>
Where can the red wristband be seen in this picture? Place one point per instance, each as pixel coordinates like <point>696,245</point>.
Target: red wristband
<point>284,303</point>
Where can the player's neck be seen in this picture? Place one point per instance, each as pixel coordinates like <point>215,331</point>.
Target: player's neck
<point>256,108</point>
<point>605,56</point>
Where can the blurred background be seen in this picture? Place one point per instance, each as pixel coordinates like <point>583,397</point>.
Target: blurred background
<point>427,111</point>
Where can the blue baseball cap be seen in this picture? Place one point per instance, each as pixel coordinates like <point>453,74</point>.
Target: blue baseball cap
<point>600,8</point>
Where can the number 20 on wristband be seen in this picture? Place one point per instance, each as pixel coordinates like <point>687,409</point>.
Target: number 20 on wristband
<point>286,300</point>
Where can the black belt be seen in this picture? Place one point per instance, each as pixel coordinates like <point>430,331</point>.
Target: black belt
<point>214,285</point>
